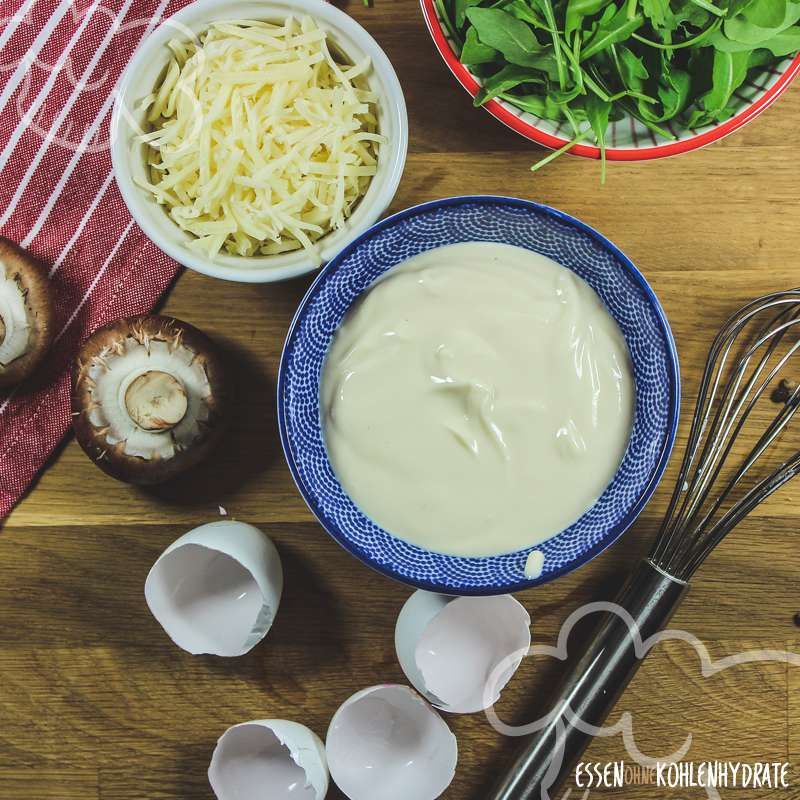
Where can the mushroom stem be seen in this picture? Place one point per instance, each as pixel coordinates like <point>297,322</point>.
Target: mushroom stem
<point>156,401</point>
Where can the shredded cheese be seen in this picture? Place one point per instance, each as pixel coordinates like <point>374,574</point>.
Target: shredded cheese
<point>261,141</point>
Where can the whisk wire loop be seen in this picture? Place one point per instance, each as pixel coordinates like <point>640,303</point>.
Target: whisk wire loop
<point>716,489</point>
<point>745,360</point>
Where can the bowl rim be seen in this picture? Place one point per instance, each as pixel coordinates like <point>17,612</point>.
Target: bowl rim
<point>272,269</point>
<point>532,132</point>
<point>666,448</point>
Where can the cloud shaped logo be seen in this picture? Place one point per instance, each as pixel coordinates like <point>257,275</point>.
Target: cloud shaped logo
<point>31,79</point>
<point>561,716</point>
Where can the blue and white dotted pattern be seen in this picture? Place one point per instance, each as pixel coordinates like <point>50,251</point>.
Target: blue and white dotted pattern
<point>514,222</point>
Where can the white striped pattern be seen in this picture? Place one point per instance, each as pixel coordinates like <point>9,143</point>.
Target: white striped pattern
<point>13,23</point>
<point>30,57</point>
<point>76,92</point>
<point>91,288</point>
<point>89,133</point>
<point>82,224</point>
<point>95,281</point>
<point>62,181</point>
<point>76,156</point>
<point>29,115</point>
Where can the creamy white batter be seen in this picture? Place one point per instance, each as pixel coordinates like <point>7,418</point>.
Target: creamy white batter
<point>477,399</point>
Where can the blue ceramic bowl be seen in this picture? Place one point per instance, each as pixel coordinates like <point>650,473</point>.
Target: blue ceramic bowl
<point>461,219</point>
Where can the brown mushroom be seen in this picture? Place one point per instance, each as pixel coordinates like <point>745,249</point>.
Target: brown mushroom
<point>26,314</point>
<point>149,398</point>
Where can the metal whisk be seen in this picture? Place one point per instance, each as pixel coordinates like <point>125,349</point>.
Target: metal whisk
<point>717,487</point>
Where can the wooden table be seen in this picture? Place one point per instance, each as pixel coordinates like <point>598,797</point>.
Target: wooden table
<point>95,702</point>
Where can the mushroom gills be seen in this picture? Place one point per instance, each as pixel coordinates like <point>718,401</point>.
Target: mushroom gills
<point>149,398</point>
<point>15,326</point>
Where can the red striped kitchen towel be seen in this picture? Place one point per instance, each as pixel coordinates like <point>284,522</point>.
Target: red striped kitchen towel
<point>59,63</point>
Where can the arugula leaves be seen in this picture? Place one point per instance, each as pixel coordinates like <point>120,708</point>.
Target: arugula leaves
<point>617,28</point>
<point>508,78</point>
<point>597,112</point>
<point>729,72</point>
<point>657,11</point>
<point>505,33</point>
<point>577,10</point>
<point>475,51</point>
<point>673,62</point>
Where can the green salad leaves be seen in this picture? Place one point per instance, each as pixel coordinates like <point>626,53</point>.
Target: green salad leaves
<point>671,64</point>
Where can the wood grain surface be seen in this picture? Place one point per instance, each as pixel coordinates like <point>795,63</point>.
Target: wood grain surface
<point>96,703</point>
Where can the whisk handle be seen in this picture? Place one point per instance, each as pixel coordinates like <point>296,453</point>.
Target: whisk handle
<point>590,690</point>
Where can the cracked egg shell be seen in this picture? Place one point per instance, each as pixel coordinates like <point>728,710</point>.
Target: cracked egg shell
<point>460,652</point>
<point>217,589</point>
<point>387,743</point>
<point>269,759</point>
<point>150,394</point>
<point>26,314</point>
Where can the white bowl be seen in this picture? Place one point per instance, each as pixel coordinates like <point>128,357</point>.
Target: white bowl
<point>149,63</point>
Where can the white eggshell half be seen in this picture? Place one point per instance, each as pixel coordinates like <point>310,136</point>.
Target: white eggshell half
<point>418,612</point>
<point>387,743</point>
<point>216,590</point>
<point>451,648</point>
<point>269,759</point>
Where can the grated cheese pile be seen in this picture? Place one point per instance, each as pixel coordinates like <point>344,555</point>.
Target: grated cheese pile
<point>262,141</point>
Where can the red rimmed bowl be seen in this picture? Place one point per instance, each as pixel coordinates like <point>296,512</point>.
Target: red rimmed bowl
<point>628,139</point>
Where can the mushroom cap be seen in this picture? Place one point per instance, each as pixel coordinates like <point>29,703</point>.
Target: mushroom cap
<point>208,396</point>
<point>31,277</point>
